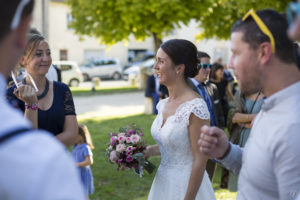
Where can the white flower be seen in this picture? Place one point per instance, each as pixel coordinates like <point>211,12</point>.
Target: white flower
<point>120,147</point>
<point>113,156</point>
<point>130,148</point>
<point>128,140</point>
<point>135,139</point>
<point>122,139</point>
<point>121,134</point>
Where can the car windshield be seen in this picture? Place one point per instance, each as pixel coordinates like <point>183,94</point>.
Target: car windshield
<point>141,57</point>
<point>86,63</point>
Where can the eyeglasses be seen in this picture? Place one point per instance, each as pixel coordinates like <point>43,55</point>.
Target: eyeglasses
<point>261,26</point>
<point>292,11</point>
<point>206,66</point>
<point>17,17</point>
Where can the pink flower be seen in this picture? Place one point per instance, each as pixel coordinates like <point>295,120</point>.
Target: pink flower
<point>129,159</point>
<point>128,140</point>
<point>120,147</point>
<point>113,156</point>
<point>135,139</point>
<point>142,134</point>
<point>122,139</point>
<point>129,149</point>
<point>119,161</point>
<point>131,131</point>
<point>113,140</point>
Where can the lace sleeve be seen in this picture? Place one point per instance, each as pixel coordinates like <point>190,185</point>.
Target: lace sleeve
<point>196,106</point>
<point>68,102</point>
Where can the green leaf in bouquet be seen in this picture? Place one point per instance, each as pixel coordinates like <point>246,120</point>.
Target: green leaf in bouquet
<point>139,157</point>
<point>147,165</point>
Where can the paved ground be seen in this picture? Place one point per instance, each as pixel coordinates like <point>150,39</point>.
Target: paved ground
<point>109,105</point>
<point>107,83</point>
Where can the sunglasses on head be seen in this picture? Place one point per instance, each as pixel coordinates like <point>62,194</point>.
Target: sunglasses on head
<point>205,66</point>
<point>292,11</point>
<point>262,26</point>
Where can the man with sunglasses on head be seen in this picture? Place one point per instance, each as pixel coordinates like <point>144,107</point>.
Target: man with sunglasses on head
<point>263,57</point>
<point>34,165</point>
<point>209,92</point>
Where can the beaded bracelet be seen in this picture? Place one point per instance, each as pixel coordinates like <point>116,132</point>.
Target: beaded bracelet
<point>33,106</point>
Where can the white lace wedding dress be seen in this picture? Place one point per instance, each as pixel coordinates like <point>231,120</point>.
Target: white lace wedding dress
<point>172,177</point>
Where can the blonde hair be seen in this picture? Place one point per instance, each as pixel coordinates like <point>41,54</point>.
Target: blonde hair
<point>32,44</point>
<point>85,134</point>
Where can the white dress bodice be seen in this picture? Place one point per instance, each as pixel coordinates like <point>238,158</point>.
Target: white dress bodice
<point>172,137</point>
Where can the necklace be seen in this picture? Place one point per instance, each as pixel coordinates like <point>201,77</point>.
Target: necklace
<point>45,90</point>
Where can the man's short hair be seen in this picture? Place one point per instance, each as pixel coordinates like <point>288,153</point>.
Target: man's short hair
<point>7,11</point>
<point>202,54</point>
<point>277,25</point>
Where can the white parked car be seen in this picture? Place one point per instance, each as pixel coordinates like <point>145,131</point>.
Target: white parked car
<point>103,68</point>
<point>70,72</point>
<point>134,71</point>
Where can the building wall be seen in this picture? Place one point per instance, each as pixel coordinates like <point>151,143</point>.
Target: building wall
<point>40,16</point>
<point>62,38</point>
<point>50,17</point>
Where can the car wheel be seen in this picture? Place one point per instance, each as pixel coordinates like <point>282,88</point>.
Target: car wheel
<point>116,76</point>
<point>86,77</point>
<point>74,83</point>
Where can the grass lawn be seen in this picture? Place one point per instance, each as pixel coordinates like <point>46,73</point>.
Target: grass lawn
<point>78,91</point>
<point>125,185</point>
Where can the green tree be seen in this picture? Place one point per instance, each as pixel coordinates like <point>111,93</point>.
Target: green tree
<point>222,14</point>
<point>115,20</point>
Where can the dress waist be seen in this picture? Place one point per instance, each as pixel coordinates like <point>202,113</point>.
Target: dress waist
<point>174,164</point>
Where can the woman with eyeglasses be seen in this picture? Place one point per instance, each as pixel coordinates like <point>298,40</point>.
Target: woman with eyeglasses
<point>47,104</point>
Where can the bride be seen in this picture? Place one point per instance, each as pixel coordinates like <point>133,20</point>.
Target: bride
<point>181,174</point>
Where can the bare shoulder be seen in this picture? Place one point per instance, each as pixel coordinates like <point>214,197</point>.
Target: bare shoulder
<point>192,95</point>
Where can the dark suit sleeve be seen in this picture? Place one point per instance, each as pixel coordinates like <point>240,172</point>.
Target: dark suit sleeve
<point>150,87</point>
<point>216,101</point>
<point>164,90</point>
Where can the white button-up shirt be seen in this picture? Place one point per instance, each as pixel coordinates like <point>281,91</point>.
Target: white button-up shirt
<point>33,165</point>
<point>270,162</point>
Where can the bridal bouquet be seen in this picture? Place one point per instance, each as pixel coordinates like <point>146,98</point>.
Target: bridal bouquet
<point>126,150</point>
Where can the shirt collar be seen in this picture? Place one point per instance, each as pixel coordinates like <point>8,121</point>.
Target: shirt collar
<point>195,82</point>
<point>281,96</point>
<point>2,86</point>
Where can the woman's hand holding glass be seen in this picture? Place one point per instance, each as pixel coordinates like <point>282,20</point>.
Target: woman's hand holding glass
<point>26,93</point>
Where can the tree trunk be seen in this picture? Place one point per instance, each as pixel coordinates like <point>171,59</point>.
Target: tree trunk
<point>157,41</point>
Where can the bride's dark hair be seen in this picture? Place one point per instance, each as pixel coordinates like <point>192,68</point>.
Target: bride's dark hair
<point>183,52</point>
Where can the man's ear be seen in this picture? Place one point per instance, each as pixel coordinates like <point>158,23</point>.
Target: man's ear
<point>265,52</point>
<point>21,32</point>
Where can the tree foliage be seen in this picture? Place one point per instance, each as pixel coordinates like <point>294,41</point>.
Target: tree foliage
<point>222,14</point>
<point>115,20</point>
